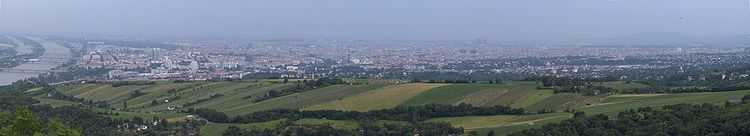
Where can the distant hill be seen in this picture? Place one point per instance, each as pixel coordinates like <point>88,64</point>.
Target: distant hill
<point>670,39</point>
<point>656,37</point>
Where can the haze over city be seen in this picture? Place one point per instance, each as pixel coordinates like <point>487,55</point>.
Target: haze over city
<point>438,20</point>
<point>374,67</point>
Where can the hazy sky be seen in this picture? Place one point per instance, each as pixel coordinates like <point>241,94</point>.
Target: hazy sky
<point>496,20</point>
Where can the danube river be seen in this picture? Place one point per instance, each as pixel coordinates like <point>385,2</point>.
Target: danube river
<point>51,50</point>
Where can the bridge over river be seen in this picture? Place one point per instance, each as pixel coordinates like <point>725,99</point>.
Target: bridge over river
<point>54,55</point>
<point>30,71</point>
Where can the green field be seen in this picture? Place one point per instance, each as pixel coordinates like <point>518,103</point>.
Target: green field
<point>55,103</point>
<point>532,98</point>
<point>238,96</point>
<point>364,95</point>
<point>166,93</point>
<point>381,98</point>
<point>506,95</point>
<point>616,103</point>
<point>449,94</point>
<point>482,124</point>
<point>559,101</point>
<point>171,116</point>
<point>529,122</point>
<point>301,100</point>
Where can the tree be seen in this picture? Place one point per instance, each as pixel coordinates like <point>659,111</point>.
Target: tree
<point>26,123</point>
<point>164,123</point>
<point>6,119</point>
<point>125,105</point>
<point>416,80</point>
<point>491,133</point>
<point>138,120</point>
<point>56,128</point>
<point>234,131</point>
<point>746,99</point>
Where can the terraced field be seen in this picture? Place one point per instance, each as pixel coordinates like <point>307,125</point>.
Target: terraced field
<point>54,103</point>
<point>167,94</point>
<point>561,101</point>
<point>449,94</point>
<point>112,95</point>
<point>475,122</point>
<point>238,98</point>
<point>515,95</point>
<point>381,98</point>
<point>171,116</point>
<point>531,121</point>
<point>616,103</point>
<point>160,92</point>
<point>301,100</point>
<point>532,98</point>
<point>504,123</point>
<point>505,95</point>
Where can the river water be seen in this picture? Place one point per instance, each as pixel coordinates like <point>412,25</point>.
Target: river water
<point>51,50</point>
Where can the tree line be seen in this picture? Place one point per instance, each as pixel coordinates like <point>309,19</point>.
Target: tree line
<point>401,113</point>
<point>693,89</point>
<point>365,128</point>
<point>552,81</point>
<point>589,90</point>
<point>71,74</point>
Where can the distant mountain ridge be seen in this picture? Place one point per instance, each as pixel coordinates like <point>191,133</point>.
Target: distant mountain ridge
<point>671,38</point>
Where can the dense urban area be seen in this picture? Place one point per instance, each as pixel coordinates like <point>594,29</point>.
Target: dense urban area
<point>215,59</point>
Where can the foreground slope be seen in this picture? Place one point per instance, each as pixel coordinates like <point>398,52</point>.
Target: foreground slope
<point>238,99</point>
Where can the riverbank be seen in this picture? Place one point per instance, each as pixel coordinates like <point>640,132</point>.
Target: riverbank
<point>51,50</point>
